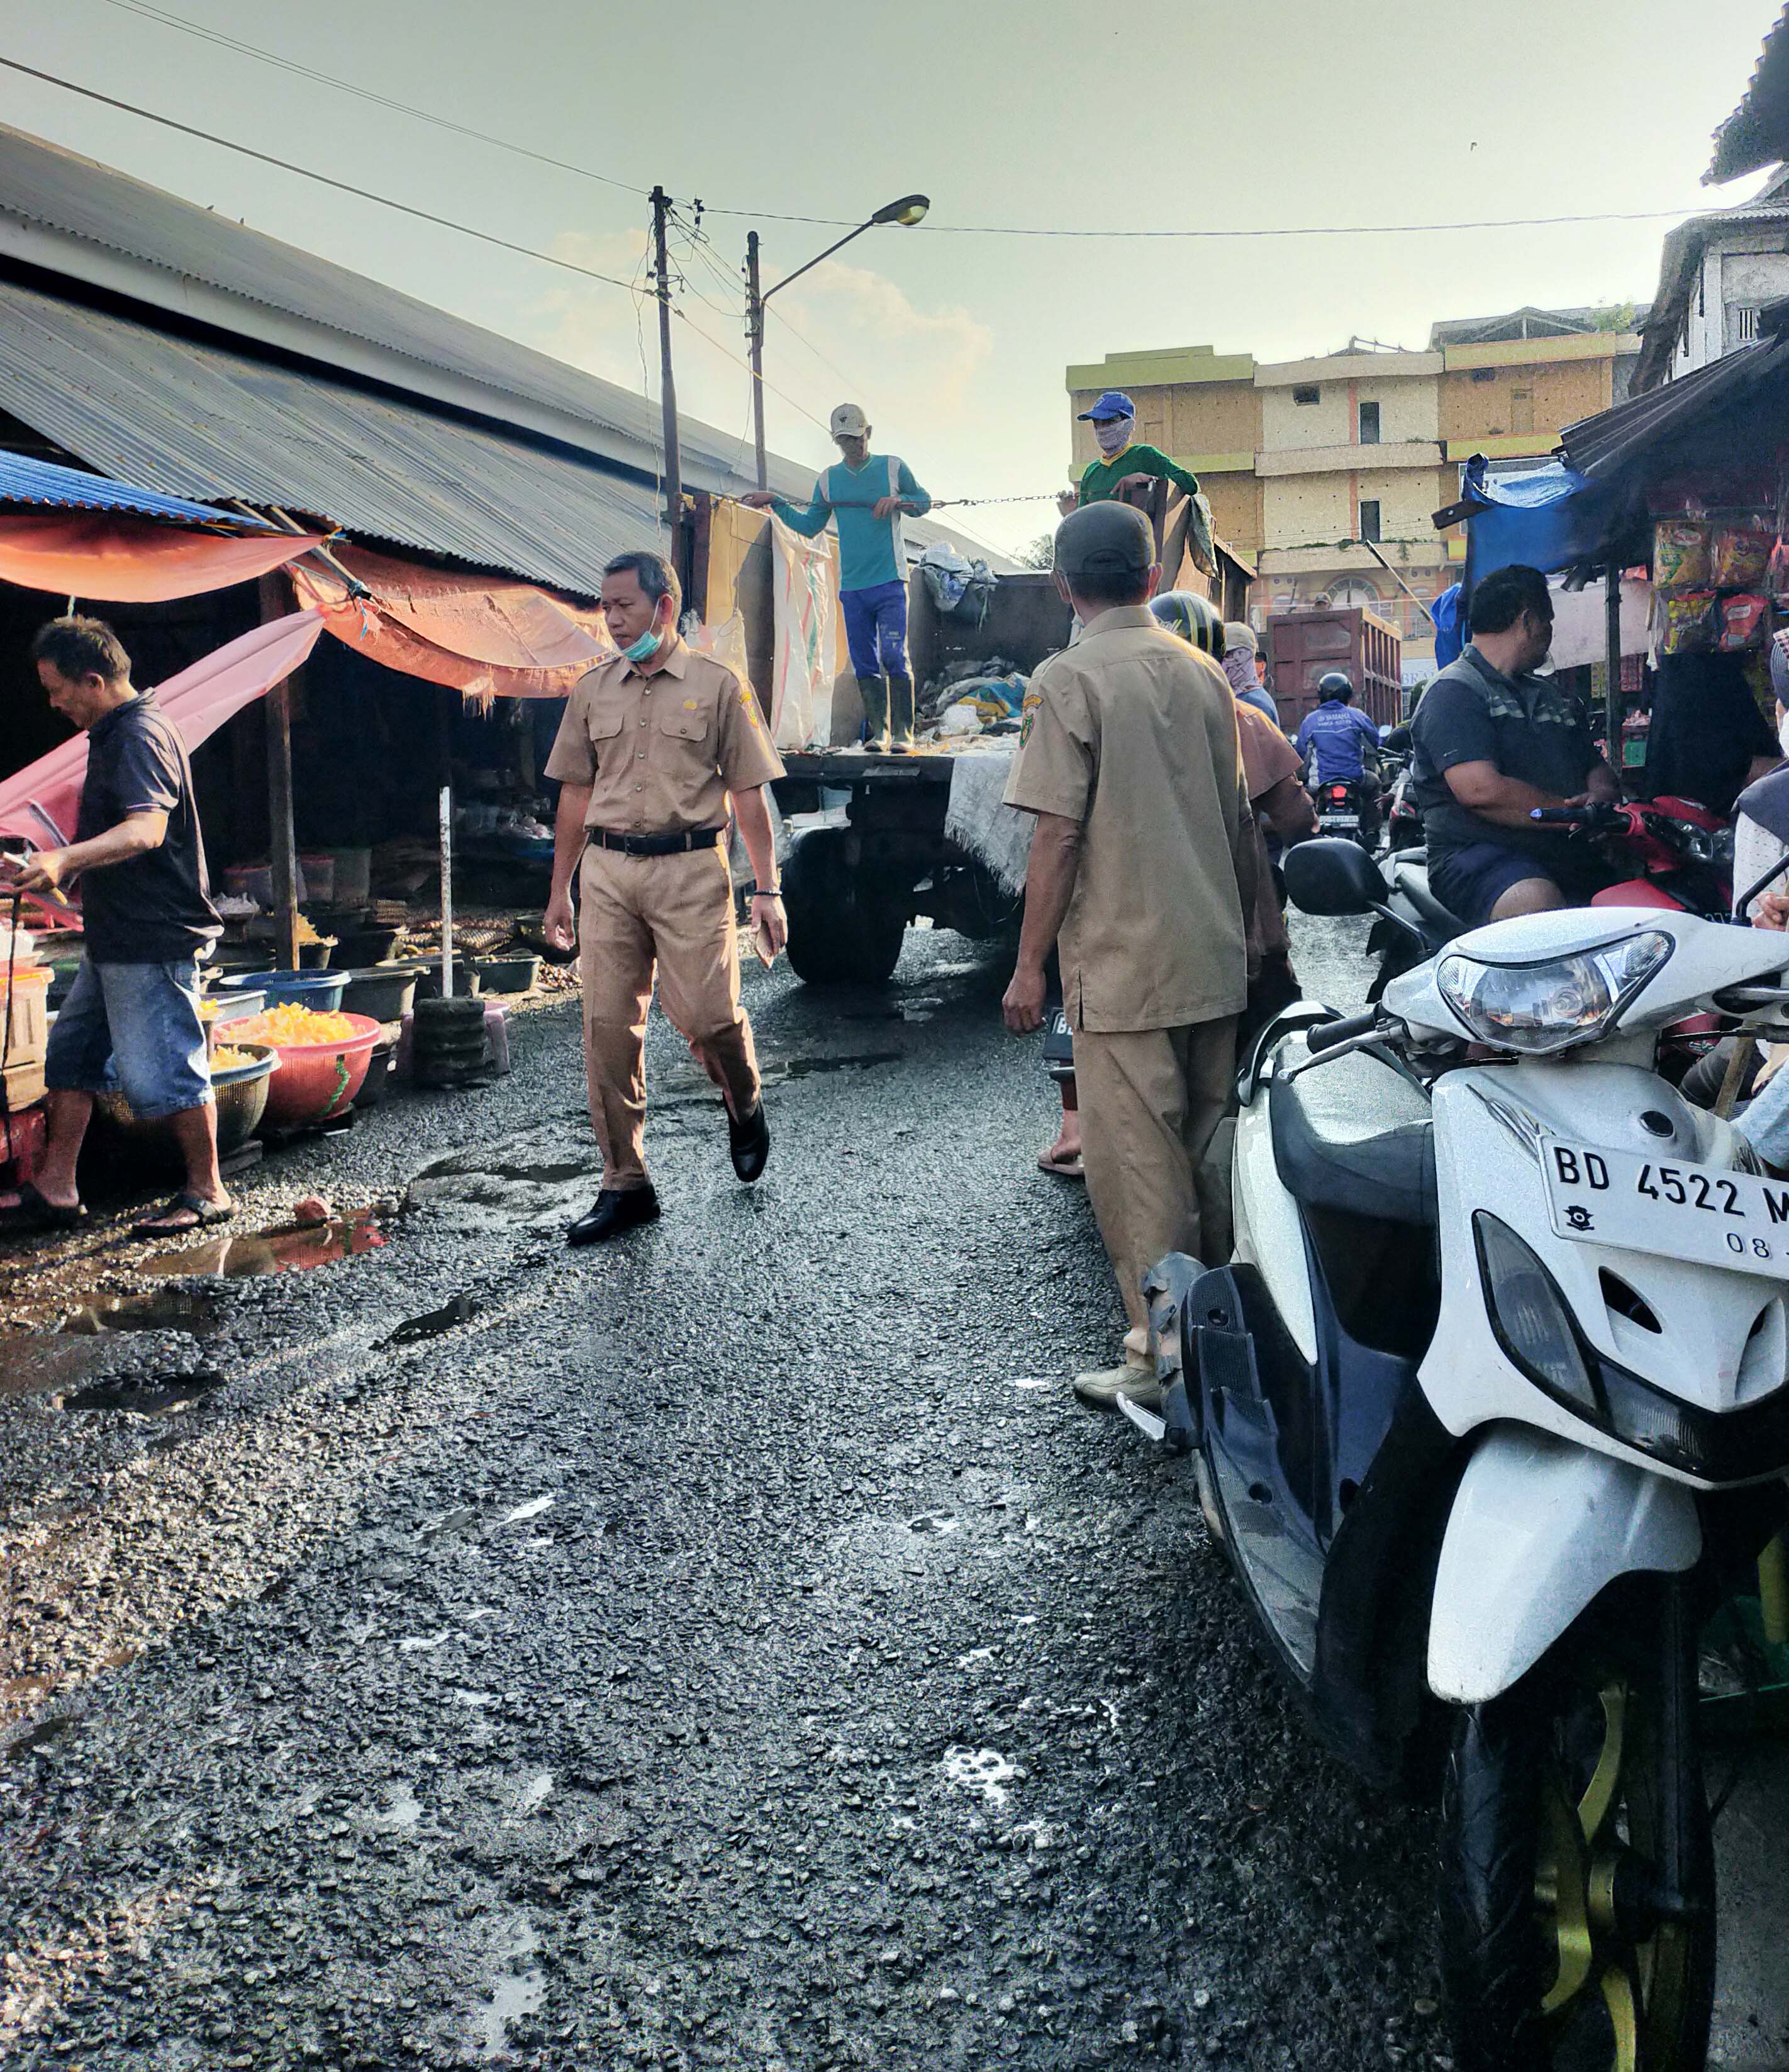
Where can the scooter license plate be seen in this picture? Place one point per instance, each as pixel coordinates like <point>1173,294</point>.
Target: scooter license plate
<point>1696,1213</point>
<point>1341,819</point>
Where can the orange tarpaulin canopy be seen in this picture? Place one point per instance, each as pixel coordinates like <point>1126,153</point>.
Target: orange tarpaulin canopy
<point>484,635</point>
<point>111,558</point>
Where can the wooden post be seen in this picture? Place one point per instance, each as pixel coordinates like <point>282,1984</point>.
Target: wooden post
<point>447,891</point>
<point>1612,699</point>
<point>754,336</point>
<point>282,848</point>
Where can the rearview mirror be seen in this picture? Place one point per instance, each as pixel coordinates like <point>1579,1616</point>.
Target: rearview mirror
<point>1326,876</point>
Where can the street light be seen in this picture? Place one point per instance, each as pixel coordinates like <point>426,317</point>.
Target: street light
<point>906,211</point>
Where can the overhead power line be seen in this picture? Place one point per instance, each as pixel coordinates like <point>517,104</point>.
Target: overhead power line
<point>365,93</point>
<point>1231,232</point>
<point>324,179</point>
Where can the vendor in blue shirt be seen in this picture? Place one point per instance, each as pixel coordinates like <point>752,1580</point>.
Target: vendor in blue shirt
<point>867,494</point>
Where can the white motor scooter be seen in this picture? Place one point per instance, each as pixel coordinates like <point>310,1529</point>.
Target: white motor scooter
<point>1489,1408</point>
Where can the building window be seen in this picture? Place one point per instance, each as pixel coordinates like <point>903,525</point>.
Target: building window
<point>1307,392</point>
<point>1369,424</point>
<point>1745,326</point>
<point>1484,373</point>
<point>1369,518</point>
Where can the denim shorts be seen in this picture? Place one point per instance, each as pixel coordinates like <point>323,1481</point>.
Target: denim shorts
<point>134,1029</point>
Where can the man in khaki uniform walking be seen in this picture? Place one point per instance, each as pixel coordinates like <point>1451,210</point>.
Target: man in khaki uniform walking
<point>1129,759</point>
<point>652,742</point>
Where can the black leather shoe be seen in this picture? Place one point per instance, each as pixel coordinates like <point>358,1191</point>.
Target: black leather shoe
<point>749,1139</point>
<point>613,1212</point>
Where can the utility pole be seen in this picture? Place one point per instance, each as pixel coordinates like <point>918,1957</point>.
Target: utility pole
<point>755,340</point>
<point>668,390</point>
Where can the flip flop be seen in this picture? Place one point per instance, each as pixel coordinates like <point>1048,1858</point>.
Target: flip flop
<point>1064,1169</point>
<point>31,1213</point>
<point>204,1214</point>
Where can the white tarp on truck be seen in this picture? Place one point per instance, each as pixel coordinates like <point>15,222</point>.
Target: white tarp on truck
<point>801,676</point>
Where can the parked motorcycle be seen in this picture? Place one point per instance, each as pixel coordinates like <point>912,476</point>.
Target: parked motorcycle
<point>1671,852</point>
<point>1403,816</point>
<point>1349,807</point>
<point>1489,1408</point>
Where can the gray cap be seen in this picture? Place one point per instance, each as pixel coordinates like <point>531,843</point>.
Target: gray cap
<point>1104,540</point>
<point>1237,634</point>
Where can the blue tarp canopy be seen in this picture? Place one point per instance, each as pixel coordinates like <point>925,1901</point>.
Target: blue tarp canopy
<point>1549,517</point>
<point>25,481</point>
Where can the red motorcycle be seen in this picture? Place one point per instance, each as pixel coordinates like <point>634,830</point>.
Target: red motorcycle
<point>1678,853</point>
<point>1682,858</point>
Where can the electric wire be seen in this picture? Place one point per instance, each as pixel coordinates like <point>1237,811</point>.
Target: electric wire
<point>308,173</point>
<point>837,222</point>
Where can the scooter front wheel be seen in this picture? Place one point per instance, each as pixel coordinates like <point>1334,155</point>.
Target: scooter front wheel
<point>1578,1903</point>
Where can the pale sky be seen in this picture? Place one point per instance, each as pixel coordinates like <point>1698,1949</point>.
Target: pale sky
<point>1015,113</point>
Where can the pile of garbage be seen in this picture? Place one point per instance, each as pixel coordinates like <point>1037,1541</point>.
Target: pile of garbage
<point>973,698</point>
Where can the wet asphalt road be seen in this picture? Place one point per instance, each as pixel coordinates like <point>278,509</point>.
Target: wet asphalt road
<point>732,1647</point>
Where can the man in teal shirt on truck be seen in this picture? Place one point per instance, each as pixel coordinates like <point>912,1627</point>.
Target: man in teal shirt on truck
<point>867,494</point>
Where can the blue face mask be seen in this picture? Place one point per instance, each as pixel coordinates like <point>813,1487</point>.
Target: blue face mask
<point>647,645</point>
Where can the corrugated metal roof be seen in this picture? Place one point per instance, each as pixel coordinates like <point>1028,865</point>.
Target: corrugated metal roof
<point>65,192</point>
<point>199,421</point>
<point>1599,447</point>
<point>1757,133</point>
<point>24,480</point>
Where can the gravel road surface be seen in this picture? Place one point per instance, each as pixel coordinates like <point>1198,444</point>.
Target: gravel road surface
<point>731,1647</point>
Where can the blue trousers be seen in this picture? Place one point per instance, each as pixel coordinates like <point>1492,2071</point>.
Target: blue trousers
<point>875,627</point>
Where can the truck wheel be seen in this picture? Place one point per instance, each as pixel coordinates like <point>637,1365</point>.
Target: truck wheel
<point>839,934</point>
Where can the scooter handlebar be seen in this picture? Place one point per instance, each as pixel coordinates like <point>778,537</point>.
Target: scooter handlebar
<point>1327,1035</point>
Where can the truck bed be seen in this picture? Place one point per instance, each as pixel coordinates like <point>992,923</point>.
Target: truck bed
<point>851,766</point>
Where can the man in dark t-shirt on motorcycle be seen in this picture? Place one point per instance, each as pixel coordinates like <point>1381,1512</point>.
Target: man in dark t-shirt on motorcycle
<point>1492,741</point>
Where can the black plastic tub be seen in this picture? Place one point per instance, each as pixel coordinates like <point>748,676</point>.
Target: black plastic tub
<point>386,993</point>
<point>515,974</point>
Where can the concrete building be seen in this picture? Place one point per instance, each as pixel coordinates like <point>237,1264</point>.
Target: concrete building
<point>1326,472</point>
<point>1716,272</point>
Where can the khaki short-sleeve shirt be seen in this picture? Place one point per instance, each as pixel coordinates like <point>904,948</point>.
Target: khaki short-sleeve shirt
<point>1133,734</point>
<point>661,752</point>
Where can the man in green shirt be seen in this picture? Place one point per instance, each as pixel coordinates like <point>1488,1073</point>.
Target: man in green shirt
<point>1123,465</point>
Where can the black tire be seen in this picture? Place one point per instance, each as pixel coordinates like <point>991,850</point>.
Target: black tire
<point>840,934</point>
<point>1516,1860</point>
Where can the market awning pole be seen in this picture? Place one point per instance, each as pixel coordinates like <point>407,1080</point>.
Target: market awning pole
<point>1612,701</point>
<point>446,891</point>
<point>282,849</point>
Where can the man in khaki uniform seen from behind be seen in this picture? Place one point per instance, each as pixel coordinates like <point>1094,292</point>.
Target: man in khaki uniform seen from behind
<point>652,742</point>
<point>1129,758</point>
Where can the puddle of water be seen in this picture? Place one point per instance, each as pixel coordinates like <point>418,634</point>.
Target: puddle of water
<point>38,1736</point>
<point>510,1998</point>
<point>1028,1381</point>
<point>184,1309</point>
<point>288,1251</point>
<point>147,1395</point>
<point>532,1509</point>
<point>985,1771</point>
<point>433,1322</point>
<point>40,1363</point>
<point>402,1814</point>
<point>932,1521</point>
<point>804,1068</point>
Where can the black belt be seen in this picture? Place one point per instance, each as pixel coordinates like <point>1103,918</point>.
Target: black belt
<point>655,844</point>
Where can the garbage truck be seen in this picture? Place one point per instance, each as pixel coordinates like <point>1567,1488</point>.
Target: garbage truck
<point>876,841</point>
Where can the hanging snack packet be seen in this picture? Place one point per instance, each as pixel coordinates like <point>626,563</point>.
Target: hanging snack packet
<point>1739,552</point>
<point>1688,617</point>
<point>1680,553</point>
<point>1743,620</point>
<point>1776,575</point>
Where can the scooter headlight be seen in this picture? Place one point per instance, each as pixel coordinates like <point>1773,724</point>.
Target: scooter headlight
<point>1538,1008</point>
<point>1529,1316</point>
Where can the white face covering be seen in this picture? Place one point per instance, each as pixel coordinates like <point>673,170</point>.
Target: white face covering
<point>1113,435</point>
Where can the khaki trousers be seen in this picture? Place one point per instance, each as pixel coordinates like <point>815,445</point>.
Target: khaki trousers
<point>1151,1099</point>
<point>674,913</point>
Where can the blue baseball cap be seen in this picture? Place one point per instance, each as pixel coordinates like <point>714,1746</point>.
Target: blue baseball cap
<point>1114,403</point>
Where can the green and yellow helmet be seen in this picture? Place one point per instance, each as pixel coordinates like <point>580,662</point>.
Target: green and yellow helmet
<point>1195,618</point>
